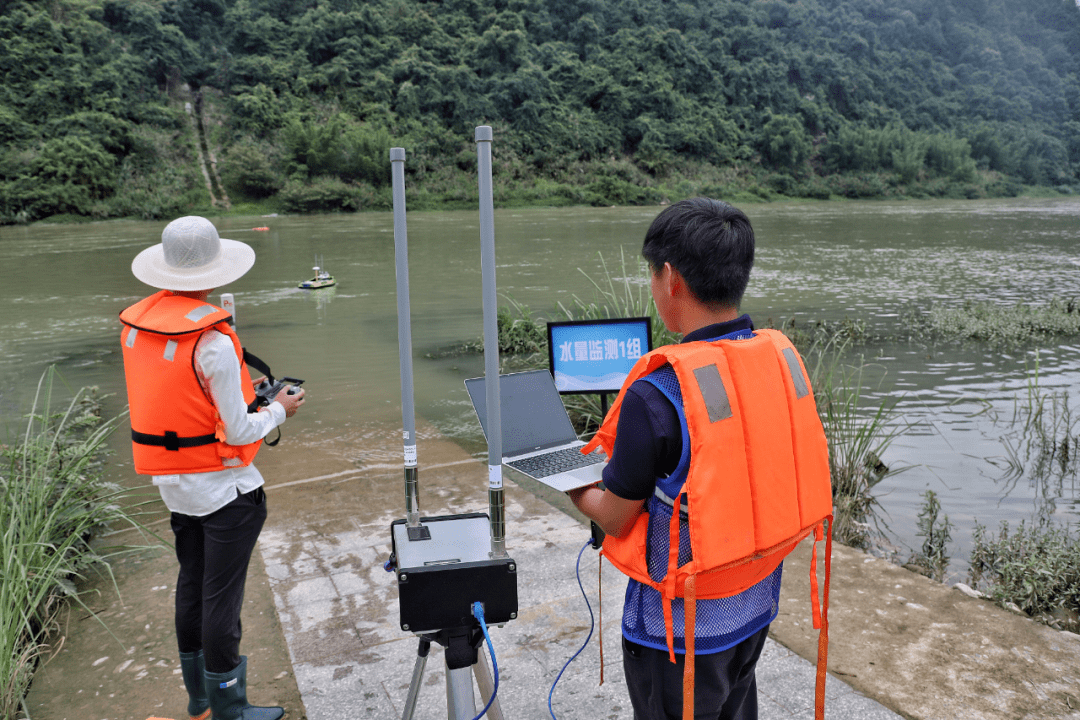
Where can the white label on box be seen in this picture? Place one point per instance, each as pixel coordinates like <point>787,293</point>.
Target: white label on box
<point>166,479</point>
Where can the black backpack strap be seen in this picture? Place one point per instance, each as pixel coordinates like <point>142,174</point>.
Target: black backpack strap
<point>260,365</point>
<point>253,361</point>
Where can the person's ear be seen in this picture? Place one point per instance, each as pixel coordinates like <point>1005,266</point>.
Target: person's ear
<point>676,285</point>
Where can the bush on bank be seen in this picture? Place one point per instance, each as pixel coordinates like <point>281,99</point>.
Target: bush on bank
<point>1036,567</point>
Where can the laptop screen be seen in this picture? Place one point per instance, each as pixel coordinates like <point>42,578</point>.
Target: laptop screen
<point>533,416</point>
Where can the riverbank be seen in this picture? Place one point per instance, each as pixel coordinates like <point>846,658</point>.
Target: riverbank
<point>748,193</point>
<point>320,620</point>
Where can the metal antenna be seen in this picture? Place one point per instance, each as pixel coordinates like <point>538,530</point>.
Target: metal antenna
<point>408,411</point>
<point>461,563</point>
<point>496,509</point>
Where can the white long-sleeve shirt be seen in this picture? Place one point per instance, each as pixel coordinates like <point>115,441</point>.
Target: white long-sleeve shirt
<point>219,371</point>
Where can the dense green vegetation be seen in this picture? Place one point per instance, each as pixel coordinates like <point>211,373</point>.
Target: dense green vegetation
<point>602,103</point>
<point>53,500</point>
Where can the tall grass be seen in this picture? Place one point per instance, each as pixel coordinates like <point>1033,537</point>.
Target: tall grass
<point>858,434</point>
<point>53,501</point>
<point>1041,442</point>
<point>627,294</point>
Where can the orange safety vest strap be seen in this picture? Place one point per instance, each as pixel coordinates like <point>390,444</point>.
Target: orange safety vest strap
<point>690,614</point>
<point>815,609</point>
<point>823,634</point>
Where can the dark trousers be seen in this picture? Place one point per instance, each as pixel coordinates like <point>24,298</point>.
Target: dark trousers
<point>725,687</point>
<point>214,551</point>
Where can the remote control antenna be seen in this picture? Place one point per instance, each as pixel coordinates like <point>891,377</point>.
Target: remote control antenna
<point>491,345</point>
<point>408,413</point>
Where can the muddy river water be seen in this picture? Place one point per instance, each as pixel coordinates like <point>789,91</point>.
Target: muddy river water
<point>62,286</point>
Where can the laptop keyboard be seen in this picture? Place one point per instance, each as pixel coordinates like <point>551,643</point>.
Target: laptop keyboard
<point>556,462</point>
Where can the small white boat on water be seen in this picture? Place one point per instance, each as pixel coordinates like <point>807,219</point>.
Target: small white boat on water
<point>322,279</point>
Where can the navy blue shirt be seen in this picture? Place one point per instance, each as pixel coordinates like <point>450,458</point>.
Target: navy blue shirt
<point>648,442</point>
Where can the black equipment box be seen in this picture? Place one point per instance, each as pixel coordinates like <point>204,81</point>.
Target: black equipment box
<point>440,577</point>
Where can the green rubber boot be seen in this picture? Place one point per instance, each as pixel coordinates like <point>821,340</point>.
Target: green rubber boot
<point>191,667</point>
<point>228,696</point>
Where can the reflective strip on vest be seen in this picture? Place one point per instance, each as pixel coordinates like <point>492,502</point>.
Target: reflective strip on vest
<point>797,377</point>
<point>712,391</point>
<point>132,333</point>
<point>170,350</point>
<point>200,312</point>
<point>670,501</point>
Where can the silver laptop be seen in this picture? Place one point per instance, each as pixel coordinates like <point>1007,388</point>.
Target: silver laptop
<point>538,438</point>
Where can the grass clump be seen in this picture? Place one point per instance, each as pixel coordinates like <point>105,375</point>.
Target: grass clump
<point>520,333</point>
<point>53,501</point>
<point>522,337</point>
<point>858,437</point>
<point>811,335</point>
<point>1006,324</point>
<point>1037,567</point>
<point>932,559</point>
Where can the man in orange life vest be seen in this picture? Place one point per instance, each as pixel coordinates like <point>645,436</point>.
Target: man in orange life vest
<point>670,447</point>
<point>196,427</point>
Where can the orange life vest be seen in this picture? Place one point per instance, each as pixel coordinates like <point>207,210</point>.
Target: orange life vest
<point>175,426</point>
<point>758,482</point>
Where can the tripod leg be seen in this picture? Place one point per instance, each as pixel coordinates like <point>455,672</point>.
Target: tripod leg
<point>486,685</point>
<point>460,701</point>
<point>417,675</point>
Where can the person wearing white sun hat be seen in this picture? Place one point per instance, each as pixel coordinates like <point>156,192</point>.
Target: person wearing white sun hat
<point>196,426</point>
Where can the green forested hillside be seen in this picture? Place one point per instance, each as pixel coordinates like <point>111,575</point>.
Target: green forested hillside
<point>298,101</point>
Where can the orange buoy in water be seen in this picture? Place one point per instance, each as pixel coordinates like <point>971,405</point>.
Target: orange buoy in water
<point>261,229</point>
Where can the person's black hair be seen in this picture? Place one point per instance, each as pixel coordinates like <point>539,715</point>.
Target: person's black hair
<point>709,242</point>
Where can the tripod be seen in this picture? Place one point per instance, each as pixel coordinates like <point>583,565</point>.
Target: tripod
<point>462,653</point>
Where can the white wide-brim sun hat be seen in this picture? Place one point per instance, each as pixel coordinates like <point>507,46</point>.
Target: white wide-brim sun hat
<point>192,256</point>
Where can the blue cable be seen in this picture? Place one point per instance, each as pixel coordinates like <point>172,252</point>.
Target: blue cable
<point>478,613</point>
<point>592,624</point>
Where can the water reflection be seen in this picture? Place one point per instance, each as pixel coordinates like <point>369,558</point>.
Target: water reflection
<point>321,298</point>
